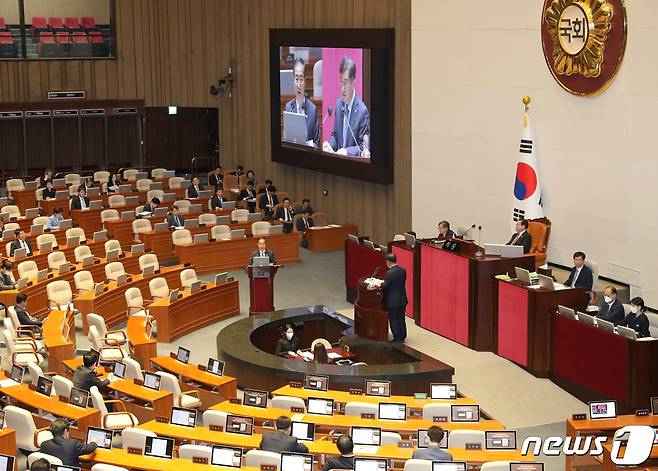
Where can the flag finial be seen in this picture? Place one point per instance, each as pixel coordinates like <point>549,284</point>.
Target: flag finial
<point>526,102</point>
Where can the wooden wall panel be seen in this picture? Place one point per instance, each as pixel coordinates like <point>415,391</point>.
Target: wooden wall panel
<point>170,51</point>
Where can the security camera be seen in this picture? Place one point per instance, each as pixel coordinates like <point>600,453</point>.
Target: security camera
<point>224,85</point>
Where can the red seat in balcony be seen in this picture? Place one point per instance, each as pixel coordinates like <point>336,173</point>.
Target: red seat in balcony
<point>63,38</point>
<point>55,23</point>
<point>3,24</point>
<point>96,37</point>
<point>79,37</point>
<point>72,23</point>
<point>38,25</point>
<point>88,22</point>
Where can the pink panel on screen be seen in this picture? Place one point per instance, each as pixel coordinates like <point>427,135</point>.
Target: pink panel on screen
<point>406,261</point>
<point>444,294</point>
<point>513,323</point>
<point>331,58</point>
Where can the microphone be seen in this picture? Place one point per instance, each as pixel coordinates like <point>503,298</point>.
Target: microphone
<point>351,131</point>
<point>374,273</point>
<point>467,231</point>
<point>329,111</point>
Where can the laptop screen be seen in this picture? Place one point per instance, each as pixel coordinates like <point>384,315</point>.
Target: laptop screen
<point>240,424</point>
<point>317,405</point>
<point>182,416</point>
<point>448,465</point>
<point>378,388</point>
<point>215,367</point>
<point>366,435</point>
<point>303,431</point>
<point>183,355</point>
<point>316,382</point>
<point>296,461</point>
<point>602,410</point>
<point>6,463</point>
<point>99,436</point>
<point>119,369</point>
<point>392,411</point>
<point>152,381</point>
<point>470,413</point>
<point>370,464</point>
<point>159,447</point>
<point>443,391</point>
<point>79,397</point>
<point>255,398</point>
<point>17,373</point>
<point>500,440</point>
<point>44,385</point>
<point>226,456</point>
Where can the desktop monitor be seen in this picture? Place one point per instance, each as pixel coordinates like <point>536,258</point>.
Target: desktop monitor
<point>448,465</point>
<point>378,388</point>
<point>566,312</point>
<point>215,367</point>
<point>61,467</point>
<point>240,424</point>
<point>465,413</point>
<point>159,447</point>
<point>99,436</point>
<point>371,436</point>
<point>318,405</point>
<point>44,386</point>
<point>79,397</point>
<point>296,461</point>
<point>17,373</point>
<point>303,431</point>
<point>119,369</point>
<point>226,456</point>
<point>424,442</point>
<point>443,391</point>
<point>526,467</point>
<point>255,398</point>
<point>316,382</point>
<point>151,381</point>
<point>370,464</point>
<point>500,440</point>
<point>392,411</point>
<point>654,405</point>
<point>602,409</point>
<point>183,355</point>
<point>183,417</point>
<point>7,463</point>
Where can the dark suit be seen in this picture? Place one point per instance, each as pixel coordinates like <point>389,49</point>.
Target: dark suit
<point>432,453</point>
<point>612,313</point>
<point>216,202</point>
<point>175,221</point>
<point>24,317</point>
<point>395,301</point>
<point>279,441</point>
<point>281,214</point>
<point>192,191</point>
<point>244,194</point>
<point>43,180</point>
<point>359,120</point>
<point>262,190</point>
<point>310,110</point>
<point>75,203</point>
<point>149,208</point>
<point>338,462</point>
<point>6,281</point>
<point>449,234</point>
<point>302,226</point>
<point>67,449</point>
<point>284,345</point>
<point>268,253</point>
<point>216,181</point>
<point>639,323</point>
<point>585,279</point>
<point>48,194</point>
<point>16,244</point>
<point>306,209</point>
<point>525,240</point>
<point>84,378</point>
<point>263,202</point>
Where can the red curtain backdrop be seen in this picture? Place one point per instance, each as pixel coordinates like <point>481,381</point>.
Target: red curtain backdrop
<point>513,323</point>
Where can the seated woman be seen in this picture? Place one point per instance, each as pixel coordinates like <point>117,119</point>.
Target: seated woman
<point>320,354</point>
<point>637,318</point>
<point>113,183</point>
<point>288,341</point>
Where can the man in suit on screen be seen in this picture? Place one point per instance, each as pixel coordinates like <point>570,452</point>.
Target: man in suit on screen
<point>302,105</point>
<point>395,297</point>
<point>351,133</point>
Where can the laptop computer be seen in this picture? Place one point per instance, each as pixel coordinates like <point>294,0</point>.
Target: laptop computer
<point>122,279</point>
<point>96,204</point>
<point>294,128</point>
<point>125,188</point>
<point>221,278</point>
<point>64,268</point>
<point>141,176</point>
<point>606,325</point>
<point>169,174</point>
<point>161,227</point>
<point>100,236</point>
<point>626,332</point>
<point>254,217</point>
<point>566,312</point>
<point>65,224</point>
<point>173,295</point>
<point>73,241</point>
<point>93,191</point>
<point>275,229</point>
<point>20,254</point>
<point>43,248</point>
<point>196,286</point>
<point>148,270</point>
<point>21,283</point>
<point>127,215</point>
<point>228,205</point>
<point>191,223</point>
<point>98,289</point>
<point>36,229</point>
<point>132,200</point>
<point>194,208</point>
<point>160,212</point>
<point>586,318</point>
<point>42,275</point>
<point>113,254</point>
<point>261,261</point>
<point>237,234</point>
<point>546,282</point>
<point>168,197</point>
<point>61,195</point>
<point>30,185</point>
<point>155,186</point>
<point>31,213</point>
<point>523,275</point>
<point>137,249</point>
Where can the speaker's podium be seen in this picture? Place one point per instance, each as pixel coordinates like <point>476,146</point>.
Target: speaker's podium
<point>261,288</point>
<point>370,317</point>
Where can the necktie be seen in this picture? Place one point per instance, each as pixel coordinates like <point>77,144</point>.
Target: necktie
<point>286,213</point>
<point>518,236</point>
<point>573,283</point>
<point>177,221</point>
<point>262,254</point>
<point>345,122</point>
<point>249,193</point>
<point>269,198</point>
<point>83,204</point>
<point>306,223</point>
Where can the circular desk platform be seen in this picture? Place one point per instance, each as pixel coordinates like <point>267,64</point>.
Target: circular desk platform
<point>247,347</point>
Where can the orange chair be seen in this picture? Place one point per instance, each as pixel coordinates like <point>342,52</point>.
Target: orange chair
<point>540,230</point>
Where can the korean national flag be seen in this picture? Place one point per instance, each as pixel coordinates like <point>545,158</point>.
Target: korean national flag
<point>527,188</point>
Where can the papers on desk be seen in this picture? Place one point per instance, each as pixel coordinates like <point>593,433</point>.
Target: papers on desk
<point>308,356</point>
<point>145,214</point>
<point>314,228</point>
<point>235,190</point>
<point>292,354</point>
<point>333,355</point>
<point>5,383</point>
<point>373,282</point>
<point>333,225</point>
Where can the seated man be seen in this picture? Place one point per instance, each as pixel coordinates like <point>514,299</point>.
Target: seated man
<point>522,236</point>
<point>306,206</point>
<point>268,201</point>
<point>268,184</point>
<point>6,278</point>
<point>41,464</point>
<point>217,200</point>
<point>581,275</point>
<point>194,189</point>
<point>81,201</point>
<point>55,219</point>
<point>611,310</point>
<point>433,452</point>
<point>281,440</point>
<point>175,218</point>
<point>48,192</point>
<point>304,222</point>
<point>20,243</point>
<point>24,317</point>
<point>285,214</point>
<point>215,178</point>
<point>151,205</point>
<point>345,446</point>
<point>248,195</point>
<point>444,230</point>
<point>85,375</point>
<point>63,446</point>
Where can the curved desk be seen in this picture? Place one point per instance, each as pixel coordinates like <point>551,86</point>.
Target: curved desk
<point>59,339</point>
<point>141,342</point>
<point>248,345</point>
<point>192,311</point>
<point>146,404</point>
<point>41,258</point>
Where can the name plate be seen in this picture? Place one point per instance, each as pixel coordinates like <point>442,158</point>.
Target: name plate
<point>366,415</point>
<point>134,450</point>
<point>162,420</point>
<point>405,444</point>
<point>415,413</point>
<point>202,367</point>
<point>216,428</point>
<point>642,412</point>
<point>578,416</point>
<point>235,400</point>
<point>200,459</point>
<point>472,446</point>
<point>299,410</point>
<point>439,418</point>
<point>267,467</point>
<point>295,384</point>
<point>356,391</point>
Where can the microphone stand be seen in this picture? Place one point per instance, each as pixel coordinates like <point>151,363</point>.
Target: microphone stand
<point>351,131</point>
<point>479,252</point>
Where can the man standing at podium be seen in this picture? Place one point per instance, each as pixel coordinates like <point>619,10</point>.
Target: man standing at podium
<point>395,297</point>
<point>263,252</point>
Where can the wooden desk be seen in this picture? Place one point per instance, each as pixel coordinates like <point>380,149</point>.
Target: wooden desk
<point>323,239</point>
<point>24,223</point>
<point>24,397</point>
<point>360,261</point>
<point>60,236</point>
<point>193,311</point>
<point>8,444</point>
<point>59,339</point>
<point>24,199</point>
<point>88,219</point>
<point>523,317</point>
<point>226,255</point>
<point>121,231</point>
<point>145,403</point>
<point>344,355</point>
<point>212,389</point>
<point>143,346</point>
<point>47,207</point>
<point>111,304</point>
<point>41,258</point>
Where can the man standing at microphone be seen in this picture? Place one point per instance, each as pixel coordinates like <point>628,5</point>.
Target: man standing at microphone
<point>395,297</point>
<point>351,133</point>
<point>302,105</point>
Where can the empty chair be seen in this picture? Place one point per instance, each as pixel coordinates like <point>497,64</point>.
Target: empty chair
<point>84,281</point>
<point>117,420</point>
<point>154,194</point>
<point>140,226</point>
<point>55,259</point>
<point>230,182</point>
<point>110,214</point>
<point>134,302</point>
<point>35,372</point>
<point>183,204</point>
<point>107,351</point>
<point>174,182</point>
<point>257,458</point>
<point>188,399</point>
<point>28,438</point>
<point>72,179</point>
<point>11,226</point>
<point>432,410</point>
<point>59,295</point>
<point>73,191</point>
<point>135,438</point>
<point>158,288</point>
<point>355,408</point>
<point>187,277</point>
<point>114,270</point>
<point>324,342</point>
<point>38,221</point>
<point>220,232</point>
<point>240,215</point>
<point>14,184</point>
<point>391,438</point>
<point>8,249</point>
<point>259,227</point>
<point>27,342</point>
<point>148,260</point>
<point>214,417</point>
<point>111,245</point>
<point>76,231</point>
<point>109,338</point>
<point>43,239</point>
<point>144,184</point>
<point>495,466</point>
<point>208,219</point>
<point>28,269</point>
<point>157,173</point>
<point>130,174</point>
<point>101,176</point>
<point>459,438</point>
<point>286,402</point>
<point>320,219</point>
<point>418,465</point>
<point>62,386</point>
<point>189,452</point>
<point>80,252</point>
<point>182,237</point>
<point>116,201</point>
<point>133,369</point>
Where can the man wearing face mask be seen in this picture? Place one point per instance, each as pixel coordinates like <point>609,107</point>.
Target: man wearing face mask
<point>288,341</point>
<point>611,310</point>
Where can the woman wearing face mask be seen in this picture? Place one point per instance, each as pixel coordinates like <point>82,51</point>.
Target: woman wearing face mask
<point>288,341</point>
<point>637,319</point>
